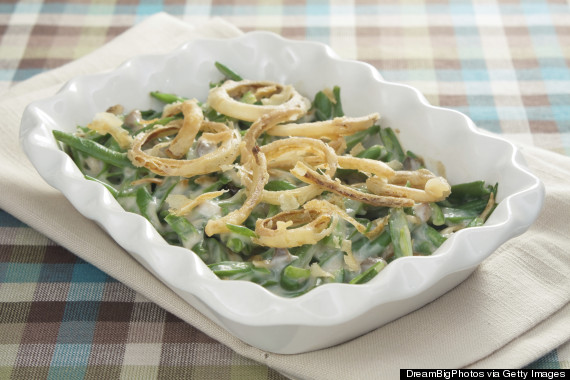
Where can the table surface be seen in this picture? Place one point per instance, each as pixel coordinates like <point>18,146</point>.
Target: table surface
<point>504,64</point>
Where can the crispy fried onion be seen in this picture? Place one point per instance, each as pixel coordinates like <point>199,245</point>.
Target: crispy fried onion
<point>107,122</point>
<point>273,96</point>
<point>184,139</point>
<point>326,206</point>
<point>311,176</point>
<point>285,154</point>
<point>254,190</point>
<point>366,165</point>
<point>254,162</point>
<point>416,178</point>
<point>181,205</point>
<point>229,139</point>
<point>434,189</point>
<point>330,129</point>
<point>275,232</point>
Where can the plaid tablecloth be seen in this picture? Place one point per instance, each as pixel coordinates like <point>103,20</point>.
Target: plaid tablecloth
<point>505,64</point>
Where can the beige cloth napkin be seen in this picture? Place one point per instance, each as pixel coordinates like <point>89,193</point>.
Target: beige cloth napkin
<point>512,310</point>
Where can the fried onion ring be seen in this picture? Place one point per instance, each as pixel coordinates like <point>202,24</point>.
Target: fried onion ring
<point>274,232</point>
<point>222,99</point>
<point>226,153</point>
<point>183,141</point>
<point>297,146</point>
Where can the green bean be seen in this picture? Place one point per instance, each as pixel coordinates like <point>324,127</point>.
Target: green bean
<point>456,215</point>
<point>434,236</point>
<point>235,244</point>
<point>304,254</point>
<point>337,112</point>
<point>294,278</point>
<point>469,190</point>
<point>476,222</point>
<point>241,230</point>
<point>369,273</point>
<point>476,205</point>
<point>76,156</point>
<point>333,263</point>
<point>323,106</point>
<point>213,115</point>
<point>390,140</point>
<point>400,233</point>
<point>370,248</point>
<point>228,73</point>
<point>360,136</point>
<point>166,97</point>
<point>144,199</point>
<point>273,210</point>
<point>93,149</point>
<point>222,180</point>
<point>214,251</point>
<point>114,192</point>
<point>437,218</point>
<point>183,228</point>
<point>261,276</point>
<point>232,203</point>
<point>162,191</point>
<point>150,114</point>
<point>279,185</point>
<point>375,152</point>
<point>230,268</point>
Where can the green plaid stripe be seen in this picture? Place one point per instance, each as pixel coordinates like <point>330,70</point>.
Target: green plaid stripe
<point>504,63</point>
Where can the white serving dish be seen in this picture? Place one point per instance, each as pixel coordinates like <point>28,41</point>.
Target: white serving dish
<point>333,313</point>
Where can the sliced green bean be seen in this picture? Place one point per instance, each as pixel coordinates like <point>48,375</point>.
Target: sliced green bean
<point>323,106</point>
<point>230,268</point>
<point>294,278</point>
<point>400,233</point>
<point>360,136</point>
<point>144,199</point>
<point>370,248</point>
<point>369,273</point>
<point>456,215</point>
<point>390,140</point>
<point>214,251</point>
<point>375,152</point>
<point>114,192</point>
<point>241,230</point>
<point>227,72</point>
<point>469,190</point>
<point>437,218</point>
<point>338,111</point>
<point>166,97</point>
<point>279,185</point>
<point>93,149</point>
